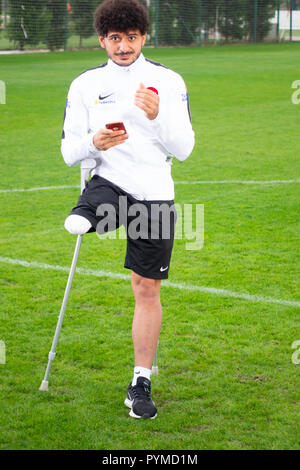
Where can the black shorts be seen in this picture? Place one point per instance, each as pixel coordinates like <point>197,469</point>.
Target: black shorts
<point>150,225</point>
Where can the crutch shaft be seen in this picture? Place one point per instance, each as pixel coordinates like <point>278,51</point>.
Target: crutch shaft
<point>154,364</point>
<point>51,356</point>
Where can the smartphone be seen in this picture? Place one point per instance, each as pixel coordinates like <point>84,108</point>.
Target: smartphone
<point>116,126</point>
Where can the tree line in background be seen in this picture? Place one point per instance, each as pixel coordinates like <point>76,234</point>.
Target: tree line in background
<point>172,22</point>
<point>181,22</point>
<point>49,21</point>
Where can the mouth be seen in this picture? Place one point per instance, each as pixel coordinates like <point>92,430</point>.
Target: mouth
<point>124,56</point>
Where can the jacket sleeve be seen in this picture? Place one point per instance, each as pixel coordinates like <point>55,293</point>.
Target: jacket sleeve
<point>77,142</point>
<point>173,124</point>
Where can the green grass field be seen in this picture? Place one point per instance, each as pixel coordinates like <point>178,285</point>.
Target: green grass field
<point>226,377</point>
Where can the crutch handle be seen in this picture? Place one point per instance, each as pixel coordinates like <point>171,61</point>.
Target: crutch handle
<point>86,168</point>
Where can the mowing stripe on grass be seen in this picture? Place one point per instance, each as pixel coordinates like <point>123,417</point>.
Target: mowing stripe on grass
<point>126,277</point>
<point>47,188</point>
<point>32,234</point>
<point>239,182</point>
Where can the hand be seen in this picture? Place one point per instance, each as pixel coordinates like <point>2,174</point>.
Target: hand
<point>148,101</point>
<point>104,139</point>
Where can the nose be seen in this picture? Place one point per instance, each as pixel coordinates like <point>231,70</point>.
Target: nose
<point>123,45</point>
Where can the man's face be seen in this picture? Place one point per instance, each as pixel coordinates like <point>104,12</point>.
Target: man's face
<point>123,48</point>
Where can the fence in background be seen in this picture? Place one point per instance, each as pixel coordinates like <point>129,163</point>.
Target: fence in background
<point>60,24</point>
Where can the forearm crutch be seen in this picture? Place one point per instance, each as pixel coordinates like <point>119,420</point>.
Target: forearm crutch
<point>85,169</point>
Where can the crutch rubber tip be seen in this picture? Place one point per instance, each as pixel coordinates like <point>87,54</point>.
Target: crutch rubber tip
<point>154,370</point>
<point>44,386</point>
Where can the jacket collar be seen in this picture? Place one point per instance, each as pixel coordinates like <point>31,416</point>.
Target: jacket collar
<point>140,61</point>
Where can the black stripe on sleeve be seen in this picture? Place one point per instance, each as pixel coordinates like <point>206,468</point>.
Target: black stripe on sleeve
<point>63,131</point>
<point>189,109</point>
<point>156,63</point>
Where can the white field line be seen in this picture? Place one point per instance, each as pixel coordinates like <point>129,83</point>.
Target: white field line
<point>47,188</point>
<point>181,286</point>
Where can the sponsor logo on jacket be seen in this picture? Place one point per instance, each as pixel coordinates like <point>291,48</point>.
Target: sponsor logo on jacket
<point>106,99</point>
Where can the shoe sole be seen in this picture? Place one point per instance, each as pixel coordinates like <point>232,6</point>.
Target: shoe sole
<point>128,403</point>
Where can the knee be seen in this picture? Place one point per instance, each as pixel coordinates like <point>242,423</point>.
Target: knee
<point>145,288</point>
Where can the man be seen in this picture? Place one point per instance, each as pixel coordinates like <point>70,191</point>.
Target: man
<point>152,103</point>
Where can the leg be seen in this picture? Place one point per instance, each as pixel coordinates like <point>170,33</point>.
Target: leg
<point>150,256</point>
<point>77,225</point>
<point>145,332</point>
<point>147,319</point>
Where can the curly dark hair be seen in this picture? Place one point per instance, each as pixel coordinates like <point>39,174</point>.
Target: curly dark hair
<point>121,16</point>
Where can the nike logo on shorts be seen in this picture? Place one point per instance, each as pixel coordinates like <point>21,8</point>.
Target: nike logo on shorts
<point>163,269</point>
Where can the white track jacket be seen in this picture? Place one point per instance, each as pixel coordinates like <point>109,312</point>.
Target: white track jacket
<point>142,165</point>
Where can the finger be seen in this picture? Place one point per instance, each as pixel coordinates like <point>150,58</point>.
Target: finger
<point>105,140</point>
<point>118,132</point>
<point>116,142</point>
<point>148,105</point>
<point>146,99</point>
<point>146,92</point>
<point>108,132</point>
<point>141,105</point>
<point>113,134</point>
<point>143,96</point>
<point>113,142</point>
<point>119,138</point>
<point>151,99</point>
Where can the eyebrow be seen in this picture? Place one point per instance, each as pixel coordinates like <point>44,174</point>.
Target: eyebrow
<point>118,34</point>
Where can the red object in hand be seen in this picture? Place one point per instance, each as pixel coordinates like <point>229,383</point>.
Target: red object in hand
<point>152,89</point>
<point>116,126</point>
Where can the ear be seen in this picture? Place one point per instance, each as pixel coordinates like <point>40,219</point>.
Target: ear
<point>101,41</point>
<point>144,37</point>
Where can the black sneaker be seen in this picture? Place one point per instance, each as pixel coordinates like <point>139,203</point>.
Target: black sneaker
<point>139,400</point>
